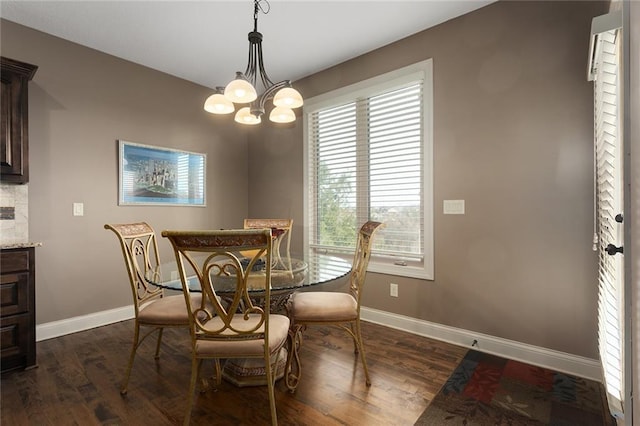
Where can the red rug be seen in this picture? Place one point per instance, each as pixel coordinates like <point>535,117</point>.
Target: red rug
<point>489,390</point>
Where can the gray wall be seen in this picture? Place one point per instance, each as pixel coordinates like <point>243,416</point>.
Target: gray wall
<point>81,103</point>
<point>513,137</point>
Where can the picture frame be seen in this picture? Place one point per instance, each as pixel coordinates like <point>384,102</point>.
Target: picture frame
<point>152,175</point>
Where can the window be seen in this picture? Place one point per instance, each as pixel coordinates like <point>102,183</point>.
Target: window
<point>604,71</point>
<point>368,156</point>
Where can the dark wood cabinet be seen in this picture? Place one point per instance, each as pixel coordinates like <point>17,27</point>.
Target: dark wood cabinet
<point>14,134</point>
<point>17,309</point>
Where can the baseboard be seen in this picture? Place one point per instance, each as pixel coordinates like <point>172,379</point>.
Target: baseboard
<point>535,355</point>
<point>85,322</point>
<point>555,360</point>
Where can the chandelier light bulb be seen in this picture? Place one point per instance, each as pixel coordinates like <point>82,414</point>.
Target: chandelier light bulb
<point>282,115</point>
<point>244,116</point>
<point>218,104</point>
<point>288,97</point>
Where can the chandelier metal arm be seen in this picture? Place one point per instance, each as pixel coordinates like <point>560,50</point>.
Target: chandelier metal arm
<point>255,64</point>
<point>266,81</point>
<point>248,73</point>
<point>258,106</point>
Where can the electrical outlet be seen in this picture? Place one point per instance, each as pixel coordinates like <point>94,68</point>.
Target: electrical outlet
<point>393,290</point>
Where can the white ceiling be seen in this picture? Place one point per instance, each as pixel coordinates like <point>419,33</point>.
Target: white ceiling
<point>206,41</point>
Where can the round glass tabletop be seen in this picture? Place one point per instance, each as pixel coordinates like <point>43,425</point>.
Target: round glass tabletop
<point>288,274</point>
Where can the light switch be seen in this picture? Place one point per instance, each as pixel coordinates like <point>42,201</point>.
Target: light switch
<point>78,209</point>
<point>453,207</point>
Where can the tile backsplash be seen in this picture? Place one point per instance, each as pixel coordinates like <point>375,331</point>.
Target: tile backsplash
<point>14,213</point>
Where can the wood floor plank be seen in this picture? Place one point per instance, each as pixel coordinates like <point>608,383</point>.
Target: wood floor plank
<point>78,380</point>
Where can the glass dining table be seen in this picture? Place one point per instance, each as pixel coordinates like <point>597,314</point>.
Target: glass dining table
<point>288,275</point>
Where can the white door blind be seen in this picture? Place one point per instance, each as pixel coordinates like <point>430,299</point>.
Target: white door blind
<point>365,162</point>
<point>609,204</point>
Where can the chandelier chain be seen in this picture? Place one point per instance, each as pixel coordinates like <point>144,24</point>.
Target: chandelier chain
<point>255,64</point>
<point>263,9</point>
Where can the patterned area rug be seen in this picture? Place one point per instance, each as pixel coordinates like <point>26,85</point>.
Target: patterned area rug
<point>489,390</point>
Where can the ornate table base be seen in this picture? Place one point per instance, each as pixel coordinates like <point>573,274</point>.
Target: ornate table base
<point>293,369</point>
<point>250,371</point>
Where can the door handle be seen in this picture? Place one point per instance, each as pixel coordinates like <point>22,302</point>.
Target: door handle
<point>612,250</point>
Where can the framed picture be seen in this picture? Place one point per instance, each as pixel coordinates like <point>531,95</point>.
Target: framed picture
<point>150,175</point>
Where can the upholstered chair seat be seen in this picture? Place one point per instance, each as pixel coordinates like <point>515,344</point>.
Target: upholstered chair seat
<point>167,310</point>
<point>278,331</point>
<point>319,306</point>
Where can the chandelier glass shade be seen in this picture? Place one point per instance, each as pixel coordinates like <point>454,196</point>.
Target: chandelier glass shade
<point>242,90</point>
<point>282,115</point>
<point>244,116</point>
<point>288,97</point>
<point>218,103</point>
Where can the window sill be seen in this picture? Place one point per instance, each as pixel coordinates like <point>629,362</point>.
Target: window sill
<point>401,271</point>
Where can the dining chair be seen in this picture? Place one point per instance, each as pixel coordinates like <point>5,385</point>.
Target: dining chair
<point>237,328</point>
<point>152,309</point>
<point>281,231</point>
<point>332,308</point>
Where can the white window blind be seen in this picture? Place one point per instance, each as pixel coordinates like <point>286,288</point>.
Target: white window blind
<point>366,161</point>
<point>609,204</point>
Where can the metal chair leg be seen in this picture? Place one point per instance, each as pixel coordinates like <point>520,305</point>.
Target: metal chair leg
<point>270,387</point>
<point>354,335</point>
<point>195,372</point>
<point>362,354</point>
<point>158,343</point>
<point>132,355</point>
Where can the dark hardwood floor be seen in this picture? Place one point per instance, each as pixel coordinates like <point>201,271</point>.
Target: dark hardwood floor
<point>78,377</point>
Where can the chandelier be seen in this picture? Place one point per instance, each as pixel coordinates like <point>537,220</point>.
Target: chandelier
<point>242,90</point>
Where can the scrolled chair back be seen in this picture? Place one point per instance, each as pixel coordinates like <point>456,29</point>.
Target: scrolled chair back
<point>140,250</point>
<point>281,232</point>
<point>212,258</point>
<point>285,224</point>
<point>361,257</point>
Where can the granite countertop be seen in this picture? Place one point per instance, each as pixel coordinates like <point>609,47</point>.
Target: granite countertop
<point>19,245</point>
